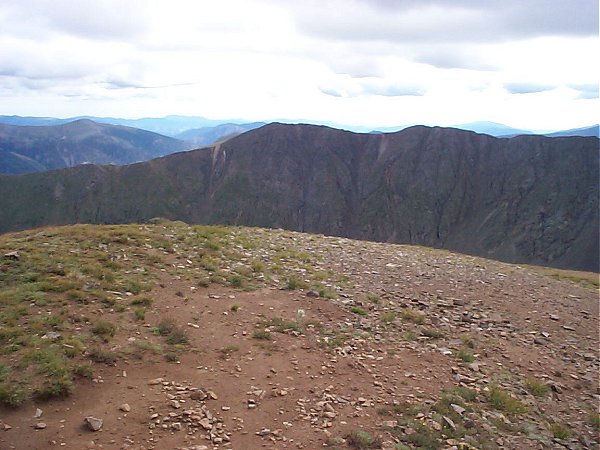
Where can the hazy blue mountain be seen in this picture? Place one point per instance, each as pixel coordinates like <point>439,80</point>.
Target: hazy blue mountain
<point>200,137</point>
<point>167,126</point>
<point>33,121</point>
<point>37,148</point>
<point>492,128</point>
<point>594,130</point>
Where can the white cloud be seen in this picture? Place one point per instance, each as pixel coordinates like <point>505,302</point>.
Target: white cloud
<point>372,63</point>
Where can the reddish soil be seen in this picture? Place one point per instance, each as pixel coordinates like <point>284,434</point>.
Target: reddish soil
<point>522,324</point>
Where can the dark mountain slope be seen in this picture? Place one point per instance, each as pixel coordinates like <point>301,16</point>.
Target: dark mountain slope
<point>36,148</point>
<point>528,199</point>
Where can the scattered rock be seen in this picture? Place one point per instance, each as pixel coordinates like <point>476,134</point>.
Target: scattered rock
<point>125,407</point>
<point>93,423</point>
<point>52,335</point>
<point>40,426</point>
<point>459,409</point>
<point>15,256</point>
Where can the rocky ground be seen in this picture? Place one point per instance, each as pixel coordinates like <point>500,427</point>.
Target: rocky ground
<point>327,342</point>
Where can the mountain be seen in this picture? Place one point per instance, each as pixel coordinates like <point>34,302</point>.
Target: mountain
<point>33,121</point>
<point>492,128</point>
<point>37,148</point>
<point>594,130</point>
<point>200,137</point>
<point>528,199</point>
<point>168,126</point>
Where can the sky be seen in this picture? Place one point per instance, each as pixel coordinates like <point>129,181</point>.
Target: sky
<point>530,64</point>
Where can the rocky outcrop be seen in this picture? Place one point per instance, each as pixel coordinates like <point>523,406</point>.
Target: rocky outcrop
<point>528,199</point>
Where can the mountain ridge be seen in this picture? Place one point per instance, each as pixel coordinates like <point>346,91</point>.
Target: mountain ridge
<point>514,199</point>
<point>35,148</point>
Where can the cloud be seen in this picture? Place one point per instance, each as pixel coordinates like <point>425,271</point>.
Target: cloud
<point>401,60</point>
<point>586,91</point>
<point>350,87</point>
<point>103,19</point>
<point>453,57</point>
<point>526,88</point>
<point>472,21</point>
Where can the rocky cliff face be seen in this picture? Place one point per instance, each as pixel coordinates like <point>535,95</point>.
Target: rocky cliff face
<point>527,199</point>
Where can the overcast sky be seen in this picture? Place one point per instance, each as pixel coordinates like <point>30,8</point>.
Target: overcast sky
<point>526,63</point>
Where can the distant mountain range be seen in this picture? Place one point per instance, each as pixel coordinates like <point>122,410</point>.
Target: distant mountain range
<point>168,126</point>
<point>27,146</point>
<point>200,137</point>
<point>528,199</point>
<point>179,126</point>
<point>586,131</point>
<point>38,148</point>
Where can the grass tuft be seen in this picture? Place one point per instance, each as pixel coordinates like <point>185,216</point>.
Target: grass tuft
<point>362,440</point>
<point>415,317</point>
<point>503,401</point>
<point>536,387</point>
<point>560,431</point>
<point>359,311</point>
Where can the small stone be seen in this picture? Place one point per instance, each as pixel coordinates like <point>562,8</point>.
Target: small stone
<point>312,294</point>
<point>212,395</point>
<point>175,404</point>
<point>589,356</point>
<point>449,422</point>
<point>52,335</point>
<point>176,426</point>
<point>125,407</point>
<point>155,381</point>
<point>205,423</point>
<point>13,255</point>
<point>93,423</point>
<point>38,413</point>
<point>198,395</point>
<point>459,409</point>
<point>263,432</point>
<point>40,426</point>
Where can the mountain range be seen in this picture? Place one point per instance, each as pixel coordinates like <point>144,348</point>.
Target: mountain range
<point>168,126</point>
<point>182,126</point>
<point>528,199</point>
<point>199,137</point>
<point>38,148</point>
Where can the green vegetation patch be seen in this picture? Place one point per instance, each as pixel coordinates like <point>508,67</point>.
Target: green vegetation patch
<point>74,288</point>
